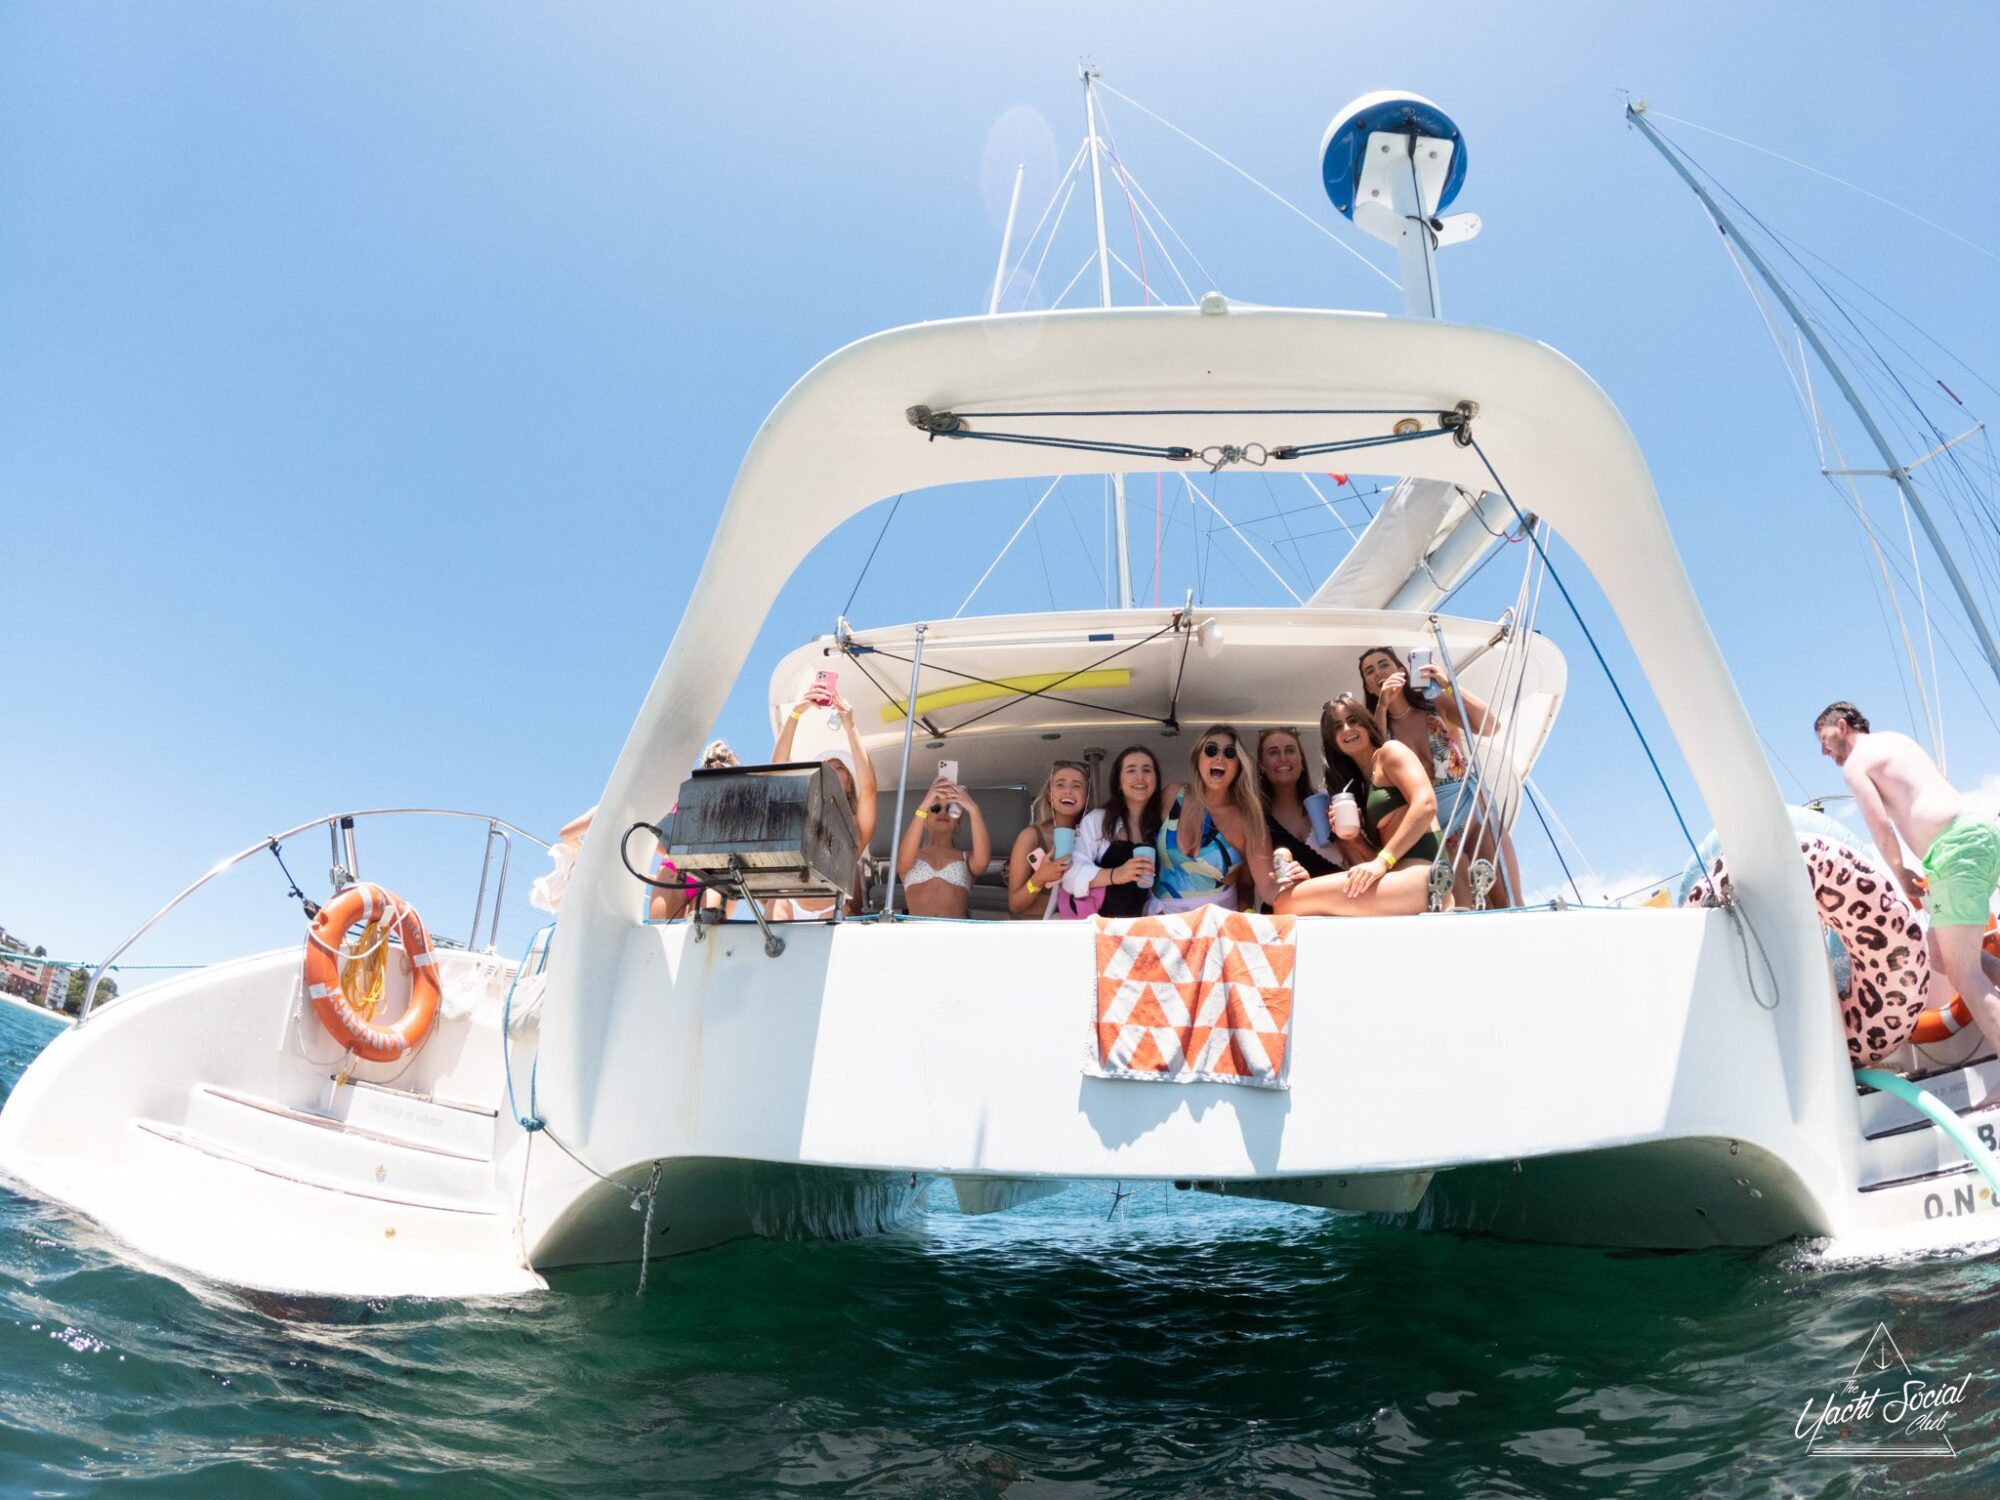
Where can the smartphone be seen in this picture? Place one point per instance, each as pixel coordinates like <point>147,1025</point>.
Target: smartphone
<point>829,681</point>
<point>1035,858</point>
<point>948,769</point>
<point>1419,685</point>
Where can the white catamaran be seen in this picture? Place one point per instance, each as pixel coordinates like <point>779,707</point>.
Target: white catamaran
<point>1657,1076</point>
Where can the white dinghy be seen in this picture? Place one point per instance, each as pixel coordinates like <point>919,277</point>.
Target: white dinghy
<point>1639,1077</point>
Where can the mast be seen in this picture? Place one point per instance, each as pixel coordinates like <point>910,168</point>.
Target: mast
<point>1104,300</point>
<point>1894,467</point>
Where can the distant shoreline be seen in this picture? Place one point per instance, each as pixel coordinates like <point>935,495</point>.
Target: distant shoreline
<point>41,1010</point>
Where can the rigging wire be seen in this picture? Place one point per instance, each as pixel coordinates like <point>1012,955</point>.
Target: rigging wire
<point>1660,114</point>
<point>1298,553</point>
<point>1089,261</point>
<point>1860,510</point>
<point>1261,186</point>
<point>1025,520</point>
<point>1577,615</point>
<point>1023,695</point>
<point>1900,403</point>
<point>1138,244</point>
<point>893,508</point>
<point>1536,803</point>
<point>1089,553</point>
<point>1043,553</point>
<point>1035,277</point>
<point>1195,489</point>
<point>1063,183</point>
<point>1148,200</point>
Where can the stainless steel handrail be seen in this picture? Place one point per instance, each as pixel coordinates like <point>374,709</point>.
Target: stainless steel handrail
<point>493,831</point>
<point>336,823</point>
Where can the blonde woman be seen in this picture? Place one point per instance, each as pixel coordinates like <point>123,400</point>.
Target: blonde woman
<point>1213,847</point>
<point>1042,851</point>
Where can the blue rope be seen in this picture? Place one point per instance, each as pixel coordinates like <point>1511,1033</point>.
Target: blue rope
<point>532,1121</point>
<point>1609,676</point>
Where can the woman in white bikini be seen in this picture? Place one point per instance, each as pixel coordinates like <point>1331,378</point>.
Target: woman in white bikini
<point>937,877</point>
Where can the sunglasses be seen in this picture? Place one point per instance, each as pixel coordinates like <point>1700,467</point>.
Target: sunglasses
<point>1216,750</point>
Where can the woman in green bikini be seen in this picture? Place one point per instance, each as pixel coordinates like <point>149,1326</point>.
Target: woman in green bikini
<point>1398,823</point>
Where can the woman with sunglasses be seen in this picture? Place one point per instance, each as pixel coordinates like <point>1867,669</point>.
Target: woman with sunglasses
<point>1111,874</point>
<point>1398,823</point>
<point>937,875</point>
<point>1222,857</point>
<point>1033,866</point>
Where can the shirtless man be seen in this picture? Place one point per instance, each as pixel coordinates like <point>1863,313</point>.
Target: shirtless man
<point>1899,791</point>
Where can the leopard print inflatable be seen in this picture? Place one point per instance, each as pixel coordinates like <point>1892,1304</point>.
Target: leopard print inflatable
<point>1883,936</point>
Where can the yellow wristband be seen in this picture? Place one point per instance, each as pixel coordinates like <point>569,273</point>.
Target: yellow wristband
<point>798,713</point>
<point>1388,859</point>
<point>1033,889</point>
<point>922,814</point>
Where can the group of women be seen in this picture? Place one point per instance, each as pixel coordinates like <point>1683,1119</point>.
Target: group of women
<point>1234,833</point>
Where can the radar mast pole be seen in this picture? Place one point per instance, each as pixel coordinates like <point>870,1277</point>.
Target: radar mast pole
<point>1897,470</point>
<point>1104,300</point>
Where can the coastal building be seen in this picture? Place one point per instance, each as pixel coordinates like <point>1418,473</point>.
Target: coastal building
<point>22,974</point>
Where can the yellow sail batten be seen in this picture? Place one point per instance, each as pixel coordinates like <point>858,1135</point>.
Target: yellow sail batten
<point>1002,687</point>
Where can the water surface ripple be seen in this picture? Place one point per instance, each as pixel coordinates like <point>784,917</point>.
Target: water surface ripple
<point>1169,1345</point>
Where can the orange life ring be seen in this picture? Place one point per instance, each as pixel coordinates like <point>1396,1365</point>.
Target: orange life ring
<point>1948,1021</point>
<point>363,902</point>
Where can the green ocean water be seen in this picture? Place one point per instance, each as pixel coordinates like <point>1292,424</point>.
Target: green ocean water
<point>1167,1344</point>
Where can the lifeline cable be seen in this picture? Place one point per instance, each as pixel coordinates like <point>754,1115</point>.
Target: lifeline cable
<point>1577,615</point>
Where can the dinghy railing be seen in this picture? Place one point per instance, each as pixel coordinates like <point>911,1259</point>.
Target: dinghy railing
<point>346,868</point>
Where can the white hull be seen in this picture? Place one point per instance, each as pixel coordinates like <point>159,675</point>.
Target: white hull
<point>820,1094</point>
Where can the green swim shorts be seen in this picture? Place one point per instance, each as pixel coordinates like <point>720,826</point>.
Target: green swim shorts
<point>1964,867</point>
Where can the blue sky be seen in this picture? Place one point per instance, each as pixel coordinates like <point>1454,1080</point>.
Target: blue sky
<point>372,374</point>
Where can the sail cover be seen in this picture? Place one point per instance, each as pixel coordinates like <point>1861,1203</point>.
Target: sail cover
<point>1418,514</point>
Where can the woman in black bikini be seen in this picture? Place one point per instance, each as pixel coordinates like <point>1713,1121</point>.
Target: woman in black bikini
<point>1284,782</point>
<point>1398,820</point>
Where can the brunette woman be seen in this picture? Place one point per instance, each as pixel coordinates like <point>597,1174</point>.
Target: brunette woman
<point>1112,872</point>
<point>1283,784</point>
<point>1398,822</point>
<point>1432,730</point>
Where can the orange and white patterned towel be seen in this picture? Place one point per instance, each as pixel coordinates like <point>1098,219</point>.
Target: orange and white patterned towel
<point>1199,996</point>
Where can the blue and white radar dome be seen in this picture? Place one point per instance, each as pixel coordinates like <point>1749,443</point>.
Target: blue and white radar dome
<point>1343,150</point>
